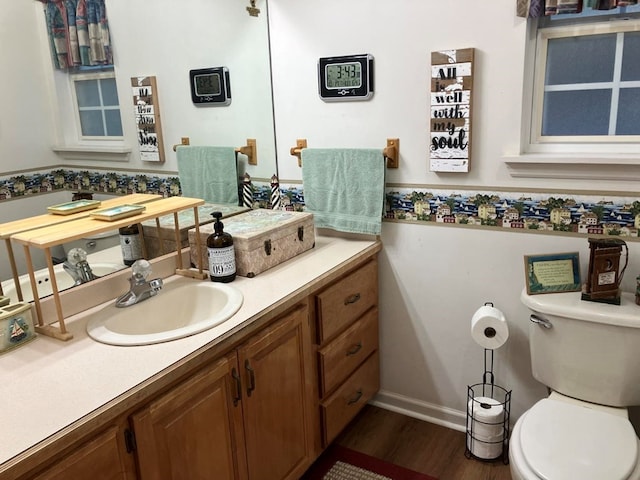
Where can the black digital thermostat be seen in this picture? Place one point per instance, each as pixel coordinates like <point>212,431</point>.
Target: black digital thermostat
<point>210,86</point>
<point>345,78</point>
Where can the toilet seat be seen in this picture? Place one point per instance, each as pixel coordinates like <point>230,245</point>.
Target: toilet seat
<point>560,440</point>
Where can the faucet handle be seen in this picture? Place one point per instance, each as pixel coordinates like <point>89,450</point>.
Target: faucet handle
<point>76,255</point>
<point>141,269</point>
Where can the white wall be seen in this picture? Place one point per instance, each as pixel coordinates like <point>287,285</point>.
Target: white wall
<point>26,122</point>
<point>433,277</point>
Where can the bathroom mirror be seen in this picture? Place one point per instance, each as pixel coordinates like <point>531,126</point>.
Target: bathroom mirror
<point>165,39</point>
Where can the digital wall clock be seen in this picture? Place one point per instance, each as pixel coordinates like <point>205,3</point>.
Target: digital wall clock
<point>345,78</point>
<point>210,86</point>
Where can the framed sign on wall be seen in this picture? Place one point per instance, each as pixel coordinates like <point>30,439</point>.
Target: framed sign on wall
<point>450,120</point>
<point>147,114</point>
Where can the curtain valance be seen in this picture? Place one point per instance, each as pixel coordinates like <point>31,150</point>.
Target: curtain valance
<point>539,8</point>
<point>78,32</point>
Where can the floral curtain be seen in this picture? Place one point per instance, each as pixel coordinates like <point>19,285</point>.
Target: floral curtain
<point>539,8</point>
<point>78,32</point>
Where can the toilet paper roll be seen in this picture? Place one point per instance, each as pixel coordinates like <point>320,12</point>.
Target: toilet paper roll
<point>485,427</point>
<point>489,327</point>
<point>486,451</point>
<point>485,420</point>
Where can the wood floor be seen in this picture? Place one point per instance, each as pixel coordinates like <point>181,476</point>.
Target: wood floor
<point>417,445</point>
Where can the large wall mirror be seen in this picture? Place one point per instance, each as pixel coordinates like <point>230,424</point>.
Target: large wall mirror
<point>165,39</point>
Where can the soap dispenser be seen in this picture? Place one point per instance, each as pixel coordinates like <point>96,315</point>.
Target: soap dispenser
<point>222,256</point>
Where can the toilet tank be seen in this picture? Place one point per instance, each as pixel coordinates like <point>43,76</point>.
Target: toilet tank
<point>94,243</point>
<point>591,350</point>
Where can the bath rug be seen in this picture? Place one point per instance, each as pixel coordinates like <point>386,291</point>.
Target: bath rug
<point>340,463</point>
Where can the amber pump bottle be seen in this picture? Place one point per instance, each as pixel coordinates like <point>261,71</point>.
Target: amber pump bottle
<point>130,244</point>
<point>222,256</point>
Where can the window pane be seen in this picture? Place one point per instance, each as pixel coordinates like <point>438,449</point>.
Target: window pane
<point>114,125</point>
<point>91,123</point>
<point>583,112</point>
<point>631,57</point>
<point>87,93</point>
<point>109,92</point>
<point>629,112</point>
<point>582,59</point>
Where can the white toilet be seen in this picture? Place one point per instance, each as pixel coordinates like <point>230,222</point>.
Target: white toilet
<point>588,354</point>
<point>94,243</point>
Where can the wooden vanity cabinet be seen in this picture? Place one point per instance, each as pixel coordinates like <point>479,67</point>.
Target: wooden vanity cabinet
<point>262,409</point>
<point>346,314</point>
<point>101,457</point>
<point>195,429</point>
<point>247,416</point>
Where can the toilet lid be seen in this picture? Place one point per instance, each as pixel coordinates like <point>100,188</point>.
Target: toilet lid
<point>562,440</point>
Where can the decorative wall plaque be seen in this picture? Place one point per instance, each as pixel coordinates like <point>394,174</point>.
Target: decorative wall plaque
<point>450,122</point>
<point>147,114</point>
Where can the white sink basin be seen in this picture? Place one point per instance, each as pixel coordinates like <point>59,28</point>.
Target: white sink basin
<point>183,307</point>
<point>43,280</point>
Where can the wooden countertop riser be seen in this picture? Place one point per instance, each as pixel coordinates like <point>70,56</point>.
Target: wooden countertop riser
<point>24,224</point>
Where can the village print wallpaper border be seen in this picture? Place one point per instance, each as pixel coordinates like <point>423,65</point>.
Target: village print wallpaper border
<point>580,213</point>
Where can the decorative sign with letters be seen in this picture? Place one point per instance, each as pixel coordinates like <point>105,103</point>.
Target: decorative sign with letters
<point>147,114</point>
<point>451,93</point>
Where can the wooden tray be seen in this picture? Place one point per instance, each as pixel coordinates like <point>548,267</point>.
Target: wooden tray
<point>116,213</point>
<point>73,207</point>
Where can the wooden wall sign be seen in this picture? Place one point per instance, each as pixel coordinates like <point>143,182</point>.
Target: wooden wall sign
<point>451,94</point>
<point>147,114</point>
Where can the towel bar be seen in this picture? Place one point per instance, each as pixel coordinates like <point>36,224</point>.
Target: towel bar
<point>391,152</point>
<point>250,151</point>
<point>183,141</point>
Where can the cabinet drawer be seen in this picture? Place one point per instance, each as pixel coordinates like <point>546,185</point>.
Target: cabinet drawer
<point>341,357</point>
<point>344,301</point>
<point>343,405</point>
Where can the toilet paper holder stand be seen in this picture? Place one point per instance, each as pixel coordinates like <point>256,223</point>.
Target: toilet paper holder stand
<point>488,411</point>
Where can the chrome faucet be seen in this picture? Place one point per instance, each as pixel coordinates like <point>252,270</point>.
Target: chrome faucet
<point>77,266</point>
<point>140,289</point>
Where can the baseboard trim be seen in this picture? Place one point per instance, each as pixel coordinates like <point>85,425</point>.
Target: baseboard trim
<point>429,412</point>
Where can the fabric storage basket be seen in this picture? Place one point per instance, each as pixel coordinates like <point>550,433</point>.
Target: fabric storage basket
<point>262,239</point>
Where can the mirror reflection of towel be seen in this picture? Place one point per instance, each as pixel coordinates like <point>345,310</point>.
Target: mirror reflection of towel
<point>210,173</point>
<point>344,188</point>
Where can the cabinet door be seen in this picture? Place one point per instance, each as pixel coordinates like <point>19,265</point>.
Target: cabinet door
<point>104,457</point>
<point>277,398</point>
<point>195,430</point>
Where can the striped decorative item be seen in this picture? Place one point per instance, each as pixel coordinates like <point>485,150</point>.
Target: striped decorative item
<point>275,193</point>
<point>247,191</point>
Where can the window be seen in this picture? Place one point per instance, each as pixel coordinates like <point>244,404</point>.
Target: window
<point>98,110</point>
<point>586,88</point>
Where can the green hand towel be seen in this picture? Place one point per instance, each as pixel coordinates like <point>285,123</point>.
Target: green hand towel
<point>210,173</point>
<point>344,188</point>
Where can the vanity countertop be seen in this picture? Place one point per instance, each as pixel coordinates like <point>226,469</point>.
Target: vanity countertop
<point>49,385</point>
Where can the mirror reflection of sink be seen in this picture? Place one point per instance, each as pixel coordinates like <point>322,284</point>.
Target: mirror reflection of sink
<point>183,307</point>
<point>43,280</point>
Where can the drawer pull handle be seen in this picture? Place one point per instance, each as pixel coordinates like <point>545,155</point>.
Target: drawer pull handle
<point>238,396</point>
<point>352,299</point>
<point>355,349</point>
<point>357,397</point>
<point>252,378</point>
